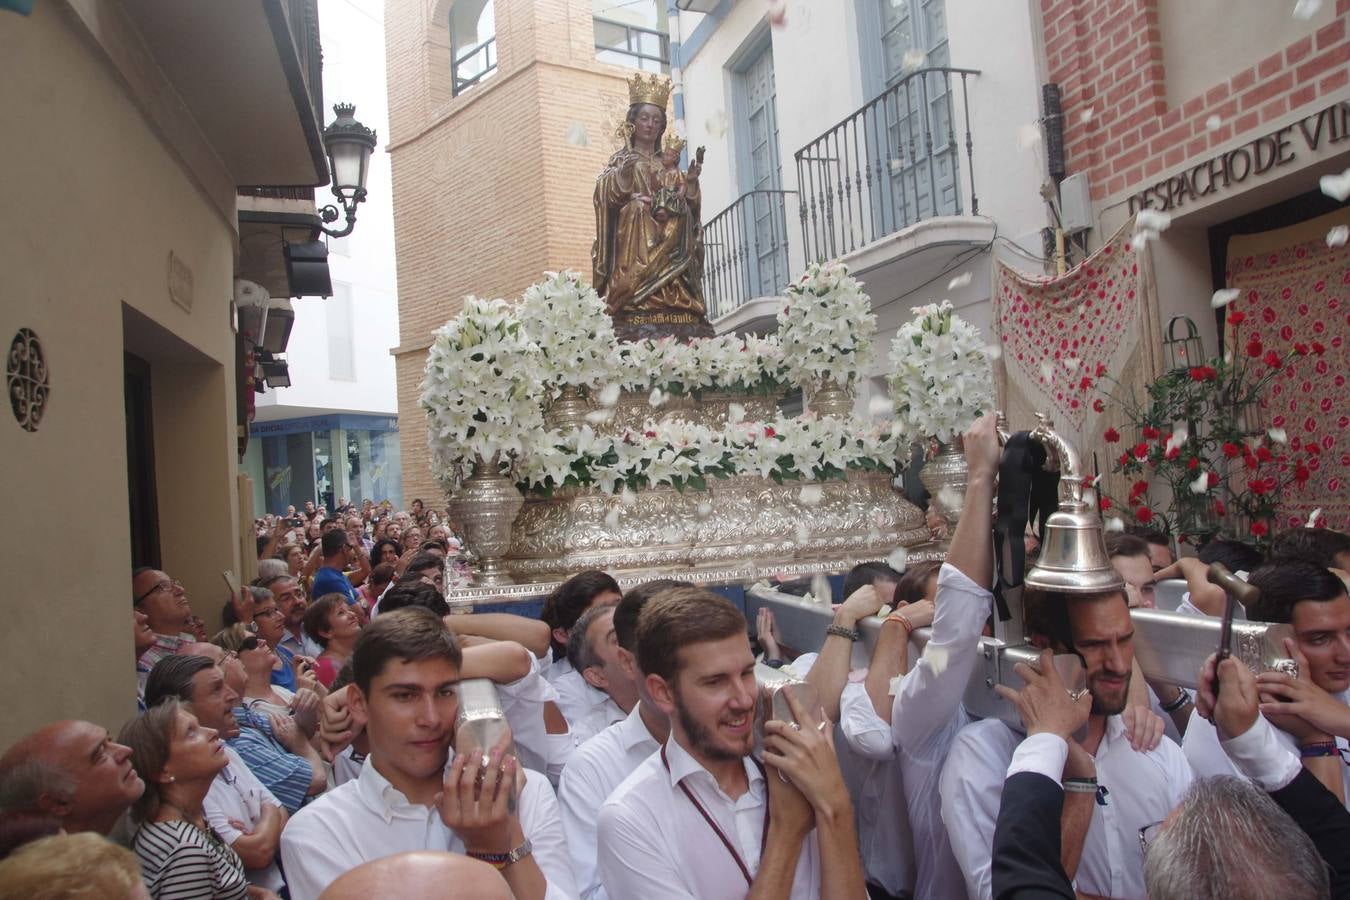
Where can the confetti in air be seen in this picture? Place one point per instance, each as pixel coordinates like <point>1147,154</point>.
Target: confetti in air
<point>599,416</point>
<point>811,495</point>
<point>803,533</point>
<point>1314,517</point>
<point>913,60</point>
<point>898,559</point>
<point>820,589</point>
<point>1306,9</point>
<point>1029,137</point>
<point>627,497</point>
<point>879,405</point>
<point>937,658</point>
<point>716,124</point>
<point>1213,123</point>
<point>656,398</point>
<point>735,413</point>
<point>1200,484</point>
<point>1087,115</point>
<point>612,517</point>
<point>1336,186</point>
<point>1278,435</point>
<point>1115,523</point>
<point>704,509</point>
<point>1224,297</point>
<point>609,394</point>
<point>1337,236</point>
<point>959,281</point>
<point>577,136</point>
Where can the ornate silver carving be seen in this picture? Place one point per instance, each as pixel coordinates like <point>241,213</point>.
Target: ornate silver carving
<point>944,476</point>
<point>26,379</point>
<point>711,409</point>
<point>485,506</point>
<point>567,411</point>
<point>744,518</point>
<point>832,400</point>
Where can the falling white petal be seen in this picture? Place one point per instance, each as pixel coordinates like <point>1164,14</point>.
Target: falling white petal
<point>1200,484</point>
<point>1070,363</point>
<point>1278,435</point>
<point>937,658</point>
<point>959,281</point>
<point>1337,236</point>
<point>820,589</point>
<point>656,398</point>
<point>1306,9</point>
<point>1223,297</point>
<point>913,60</point>
<point>735,413</point>
<point>803,533</point>
<point>898,559</point>
<point>1047,372</point>
<point>993,351</point>
<point>1213,123</point>
<point>811,495</point>
<point>599,416</point>
<point>1336,186</point>
<point>716,124</point>
<point>1114,523</point>
<point>949,497</point>
<point>704,509</point>
<point>609,394</point>
<point>1029,136</point>
<point>1151,220</point>
<point>879,405</point>
<point>576,135</point>
<point>627,497</point>
<point>1087,115</point>
<point>1141,238</point>
<point>612,517</point>
<point>1314,517</point>
<point>895,685</point>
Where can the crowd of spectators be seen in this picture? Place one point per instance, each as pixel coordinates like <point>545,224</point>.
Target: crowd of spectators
<point>322,742</point>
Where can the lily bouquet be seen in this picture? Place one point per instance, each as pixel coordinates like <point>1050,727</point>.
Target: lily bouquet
<point>941,378</point>
<point>565,318</point>
<point>827,326</point>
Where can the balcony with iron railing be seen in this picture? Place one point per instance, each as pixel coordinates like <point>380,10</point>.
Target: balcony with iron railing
<point>746,254</point>
<point>889,165</point>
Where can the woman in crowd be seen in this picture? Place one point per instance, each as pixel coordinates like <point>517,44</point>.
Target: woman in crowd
<point>379,579</point>
<point>294,555</point>
<point>335,626</point>
<point>180,855</point>
<point>385,551</point>
<point>412,538</point>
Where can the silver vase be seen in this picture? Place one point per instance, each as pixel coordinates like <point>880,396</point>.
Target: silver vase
<point>944,476</point>
<point>832,400</point>
<point>486,505</point>
<point>567,412</point>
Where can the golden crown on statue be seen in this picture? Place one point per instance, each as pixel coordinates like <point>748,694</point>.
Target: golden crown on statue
<point>651,89</point>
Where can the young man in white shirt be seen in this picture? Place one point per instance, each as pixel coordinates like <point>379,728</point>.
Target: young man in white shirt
<point>405,668</point>
<point>1310,711</point>
<point>593,651</point>
<point>562,609</point>
<point>701,818</point>
<point>1114,789</point>
<point>601,764</point>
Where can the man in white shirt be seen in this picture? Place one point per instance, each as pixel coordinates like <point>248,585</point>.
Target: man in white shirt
<point>927,712</point>
<point>593,651</point>
<point>1315,713</point>
<point>405,667</point>
<point>562,609</point>
<point>249,818</point>
<point>1115,789</point>
<point>602,763</point>
<point>700,818</point>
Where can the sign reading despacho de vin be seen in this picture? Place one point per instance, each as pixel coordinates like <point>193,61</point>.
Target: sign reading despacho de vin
<point>1256,157</point>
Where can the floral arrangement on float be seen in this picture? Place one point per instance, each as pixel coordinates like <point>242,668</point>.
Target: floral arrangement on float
<point>941,381</point>
<point>566,320</point>
<point>687,456</point>
<point>826,330</point>
<point>480,391</point>
<point>730,363</point>
<point>1197,436</point>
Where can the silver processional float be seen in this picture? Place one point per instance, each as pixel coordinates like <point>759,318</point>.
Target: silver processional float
<point>1168,646</point>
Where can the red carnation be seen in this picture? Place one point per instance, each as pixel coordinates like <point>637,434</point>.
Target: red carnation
<point>1124,460</point>
<point>1111,435</point>
<point>1101,370</point>
<point>1219,508</point>
<point>650,434</point>
<point>1213,479</point>
<point>1255,348</point>
<point>1098,406</point>
<point>1263,454</point>
<point>1141,450</point>
<point>1192,463</point>
<point>1272,359</point>
<point>1138,488</point>
<point>1085,383</point>
<point>1259,529</point>
<point>1104,502</point>
<point>1151,433</point>
<point>1257,487</point>
<point>1236,317</point>
<point>1231,450</point>
<point>1144,514</point>
<point>769,432</point>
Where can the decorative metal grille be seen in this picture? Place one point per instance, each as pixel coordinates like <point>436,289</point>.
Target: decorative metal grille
<point>26,379</point>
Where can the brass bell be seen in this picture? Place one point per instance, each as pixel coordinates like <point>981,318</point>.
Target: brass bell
<point>1073,558</point>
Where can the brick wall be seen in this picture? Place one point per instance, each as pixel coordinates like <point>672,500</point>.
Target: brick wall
<point>1107,56</point>
<point>488,191</point>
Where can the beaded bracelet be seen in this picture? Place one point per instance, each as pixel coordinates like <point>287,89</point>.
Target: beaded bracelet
<point>840,631</point>
<point>1318,748</point>
<point>1181,699</point>
<point>896,617</point>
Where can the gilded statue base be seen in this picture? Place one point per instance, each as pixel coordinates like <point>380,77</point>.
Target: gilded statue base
<point>656,324</point>
<point>737,520</point>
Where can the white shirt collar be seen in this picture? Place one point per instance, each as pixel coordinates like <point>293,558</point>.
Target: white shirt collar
<point>632,731</point>
<point>386,800</point>
<point>683,765</point>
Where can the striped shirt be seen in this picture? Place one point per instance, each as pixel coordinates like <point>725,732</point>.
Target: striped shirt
<point>179,861</point>
<point>284,773</point>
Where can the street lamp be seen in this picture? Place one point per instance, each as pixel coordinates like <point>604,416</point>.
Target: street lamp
<point>349,145</point>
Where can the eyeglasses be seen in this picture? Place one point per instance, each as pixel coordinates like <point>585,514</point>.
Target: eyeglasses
<point>1147,834</point>
<point>267,612</point>
<point>173,584</point>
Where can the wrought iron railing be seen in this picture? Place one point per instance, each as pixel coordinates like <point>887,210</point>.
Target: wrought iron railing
<point>303,17</point>
<point>890,164</point>
<point>745,251</point>
<point>279,193</point>
<point>479,61</point>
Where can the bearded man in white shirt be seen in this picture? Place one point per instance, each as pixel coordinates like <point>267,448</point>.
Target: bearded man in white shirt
<point>405,668</point>
<point>1112,790</point>
<point>701,818</point>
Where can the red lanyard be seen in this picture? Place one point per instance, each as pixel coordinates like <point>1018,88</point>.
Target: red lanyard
<point>726,842</point>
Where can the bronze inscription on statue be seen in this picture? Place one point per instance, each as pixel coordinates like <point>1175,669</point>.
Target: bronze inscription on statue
<point>648,251</point>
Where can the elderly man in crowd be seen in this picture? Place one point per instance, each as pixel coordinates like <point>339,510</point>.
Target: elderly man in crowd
<point>165,605</point>
<point>562,609</point>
